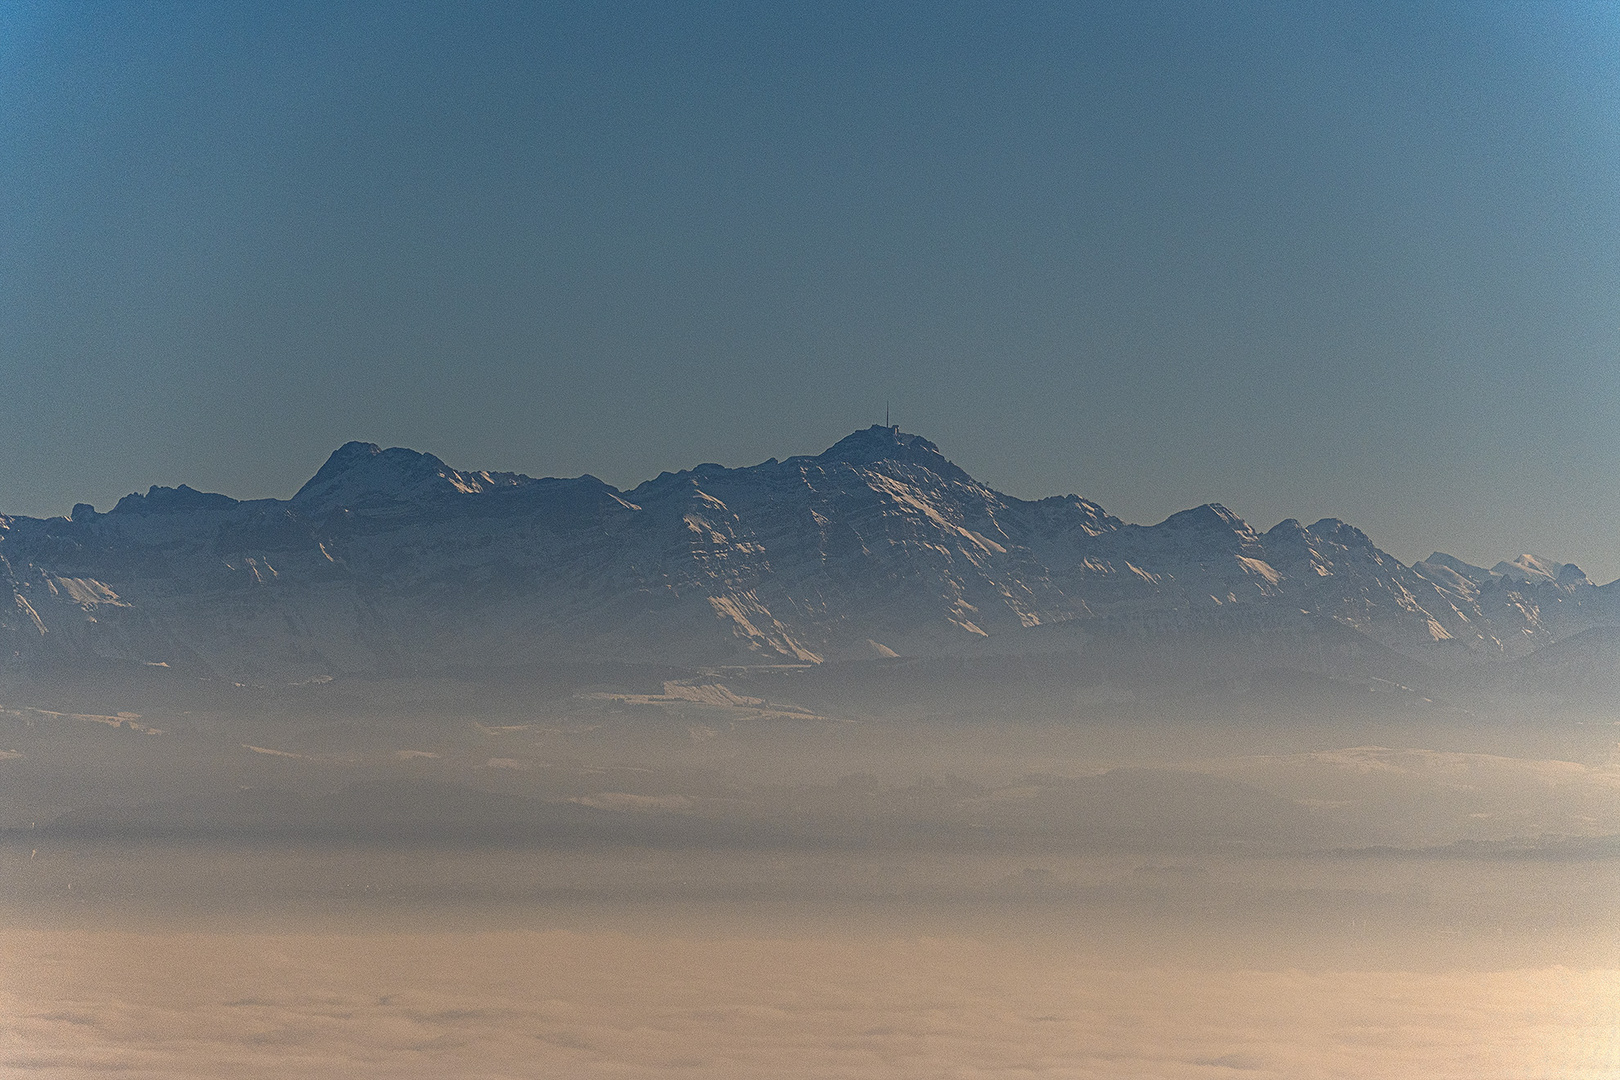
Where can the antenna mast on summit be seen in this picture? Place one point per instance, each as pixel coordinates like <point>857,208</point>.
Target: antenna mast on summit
<point>886,414</point>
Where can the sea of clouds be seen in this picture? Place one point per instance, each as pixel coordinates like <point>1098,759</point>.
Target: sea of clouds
<point>572,1003</point>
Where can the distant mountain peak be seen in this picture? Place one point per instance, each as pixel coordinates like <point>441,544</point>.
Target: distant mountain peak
<point>1570,574</point>
<point>1476,574</point>
<point>1341,532</point>
<point>1211,517</point>
<point>1524,570</point>
<point>346,459</point>
<point>1528,569</point>
<point>362,474</point>
<point>878,444</point>
<point>879,438</point>
<point>175,500</point>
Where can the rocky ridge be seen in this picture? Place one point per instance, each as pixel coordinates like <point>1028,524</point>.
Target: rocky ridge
<point>389,561</point>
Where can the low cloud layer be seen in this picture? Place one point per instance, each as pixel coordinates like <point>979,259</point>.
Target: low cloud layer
<point>561,1004</point>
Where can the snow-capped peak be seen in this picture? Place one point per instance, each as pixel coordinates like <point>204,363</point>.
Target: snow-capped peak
<point>362,475</point>
<point>878,444</point>
<point>1476,574</point>
<point>1523,570</point>
<point>1209,518</point>
<point>1527,569</point>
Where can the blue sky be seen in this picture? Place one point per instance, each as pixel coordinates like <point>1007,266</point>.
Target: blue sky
<point>1358,260</point>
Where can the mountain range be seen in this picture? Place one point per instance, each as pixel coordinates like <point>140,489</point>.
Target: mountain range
<point>390,561</point>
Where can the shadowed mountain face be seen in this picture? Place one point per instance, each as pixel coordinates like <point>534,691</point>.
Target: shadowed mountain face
<point>389,560</point>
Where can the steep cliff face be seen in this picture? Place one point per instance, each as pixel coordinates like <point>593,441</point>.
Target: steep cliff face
<point>389,560</point>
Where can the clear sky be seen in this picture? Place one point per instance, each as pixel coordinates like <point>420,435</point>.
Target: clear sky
<point>1348,259</point>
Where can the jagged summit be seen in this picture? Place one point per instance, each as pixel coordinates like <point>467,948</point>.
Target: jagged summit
<point>166,500</point>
